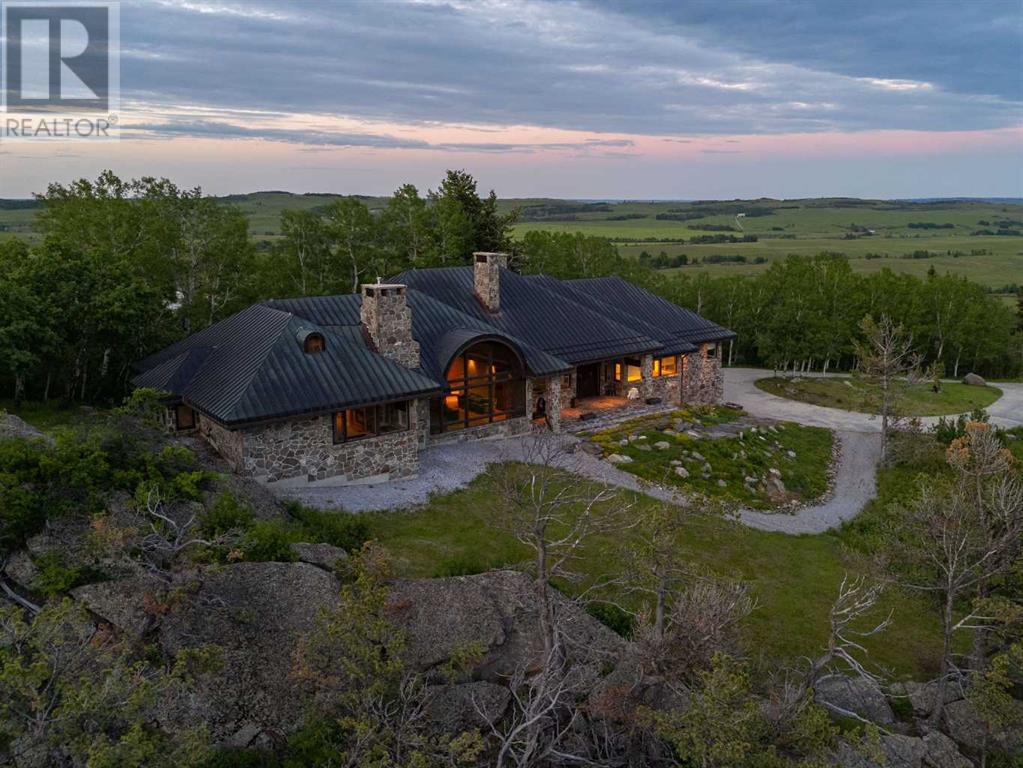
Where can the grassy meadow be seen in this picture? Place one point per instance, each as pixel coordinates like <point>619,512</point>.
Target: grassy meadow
<point>794,578</point>
<point>782,227</point>
<point>854,395</point>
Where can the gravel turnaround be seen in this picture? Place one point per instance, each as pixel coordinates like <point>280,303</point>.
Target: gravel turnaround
<point>448,467</point>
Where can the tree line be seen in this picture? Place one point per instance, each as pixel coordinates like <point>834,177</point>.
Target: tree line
<point>122,268</point>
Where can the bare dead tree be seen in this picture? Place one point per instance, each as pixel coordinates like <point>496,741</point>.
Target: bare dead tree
<point>555,515</point>
<point>885,357</point>
<point>167,537</point>
<point>702,619</point>
<point>957,537</point>
<point>856,600</point>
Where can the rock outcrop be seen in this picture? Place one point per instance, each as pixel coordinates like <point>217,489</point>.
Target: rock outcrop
<point>256,613</point>
<point>856,695</point>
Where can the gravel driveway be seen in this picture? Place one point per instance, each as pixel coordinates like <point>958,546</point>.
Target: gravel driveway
<point>450,466</point>
<point>740,388</point>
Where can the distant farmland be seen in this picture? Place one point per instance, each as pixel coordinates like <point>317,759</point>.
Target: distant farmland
<point>980,240</point>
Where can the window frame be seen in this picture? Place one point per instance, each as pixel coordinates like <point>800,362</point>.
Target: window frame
<point>657,371</point>
<point>339,422</point>
<point>502,369</point>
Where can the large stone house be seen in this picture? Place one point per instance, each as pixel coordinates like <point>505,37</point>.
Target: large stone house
<point>340,389</point>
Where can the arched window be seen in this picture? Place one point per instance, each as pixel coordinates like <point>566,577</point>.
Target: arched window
<point>487,385</point>
<point>313,343</point>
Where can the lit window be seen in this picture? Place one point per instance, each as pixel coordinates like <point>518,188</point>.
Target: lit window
<point>665,366</point>
<point>486,386</point>
<point>633,370</point>
<point>356,423</point>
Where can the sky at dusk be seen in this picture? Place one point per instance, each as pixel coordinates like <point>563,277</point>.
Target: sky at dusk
<point>627,99</point>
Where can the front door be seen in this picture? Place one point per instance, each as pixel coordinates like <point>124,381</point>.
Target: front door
<point>588,380</point>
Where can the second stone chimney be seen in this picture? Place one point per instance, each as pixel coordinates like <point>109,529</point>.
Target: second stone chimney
<point>487,278</point>
<point>387,320</point>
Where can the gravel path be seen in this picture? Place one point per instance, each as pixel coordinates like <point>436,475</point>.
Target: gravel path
<point>740,388</point>
<point>448,467</point>
<point>855,485</point>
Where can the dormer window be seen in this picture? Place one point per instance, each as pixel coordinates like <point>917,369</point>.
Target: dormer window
<point>314,343</point>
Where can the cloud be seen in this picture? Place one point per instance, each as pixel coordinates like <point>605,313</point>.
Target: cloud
<point>641,68</point>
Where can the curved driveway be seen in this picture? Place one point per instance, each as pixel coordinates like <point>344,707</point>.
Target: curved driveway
<point>740,388</point>
<point>450,466</point>
<point>859,434</point>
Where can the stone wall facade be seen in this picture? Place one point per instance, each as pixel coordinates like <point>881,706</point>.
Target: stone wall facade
<point>668,388</point>
<point>387,319</point>
<point>550,390</point>
<point>304,449</point>
<point>487,278</point>
<point>228,443</point>
<point>702,382</point>
<point>520,425</point>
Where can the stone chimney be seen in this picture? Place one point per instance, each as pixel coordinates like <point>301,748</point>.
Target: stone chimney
<point>387,320</point>
<point>487,278</point>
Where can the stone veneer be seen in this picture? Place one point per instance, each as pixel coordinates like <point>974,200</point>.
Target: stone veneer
<point>228,443</point>
<point>701,376</point>
<point>487,278</point>
<point>304,449</point>
<point>386,317</point>
<point>550,390</point>
<point>668,388</point>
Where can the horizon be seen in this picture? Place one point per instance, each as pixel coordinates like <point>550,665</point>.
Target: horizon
<point>572,100</point>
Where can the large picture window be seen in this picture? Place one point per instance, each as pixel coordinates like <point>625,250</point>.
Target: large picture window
<point>665,366</point>
<point>487,386</point>
<point>357,423</point>
<point>632,369</point>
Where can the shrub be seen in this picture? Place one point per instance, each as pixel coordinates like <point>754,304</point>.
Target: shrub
<point>269,540</point>
<point>339,529</point>
<point>468,564</point>
<point>612,617</point>
<point>225,514</point>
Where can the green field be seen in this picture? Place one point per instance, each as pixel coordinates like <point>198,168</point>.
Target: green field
<point>856,228</point>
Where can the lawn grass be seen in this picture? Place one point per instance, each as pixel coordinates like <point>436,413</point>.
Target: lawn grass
<point>794,578</point>
<point>863,397</point>
<point>801,454</point>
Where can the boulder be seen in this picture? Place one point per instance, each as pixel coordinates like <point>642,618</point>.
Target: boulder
<point>682,472</point>
<point>497,612</point>
<point>974,380</point>
<point>320,555</point>
<point>895,751</point>
<point>131,605</point>
<point>12,427</point>
<point>856,695</point>
<point>722,484</point>
<point>964,724</point>
<point>662,445</point>
<point>922,695</point>
<point>643,447</point>
<point>591,448</point>
<point>454,709</point>
<point>21,570</point>
<point>698,456</point>
<point>619,458</point>
<point>255,613</point>
<point>942,753</point>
